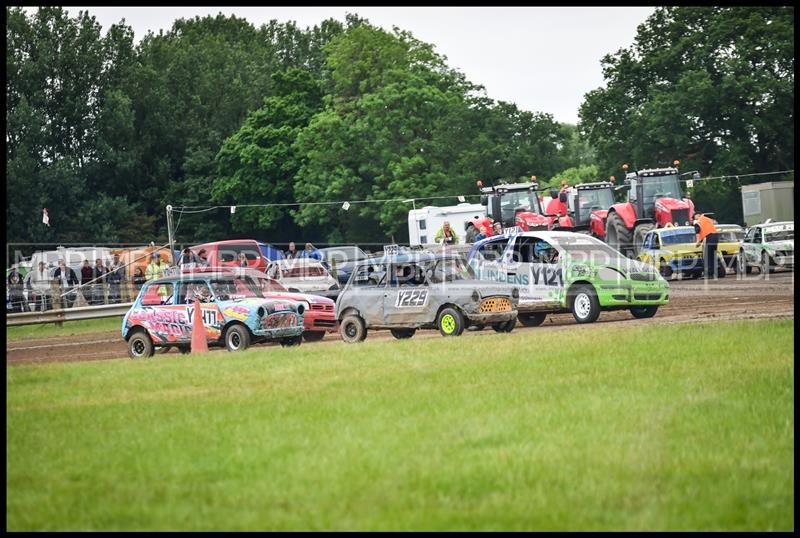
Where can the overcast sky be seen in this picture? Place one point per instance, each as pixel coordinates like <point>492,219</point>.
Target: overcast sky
<point>544,59</point>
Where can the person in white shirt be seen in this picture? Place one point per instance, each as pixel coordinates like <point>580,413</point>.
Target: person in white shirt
<point>38,282</point>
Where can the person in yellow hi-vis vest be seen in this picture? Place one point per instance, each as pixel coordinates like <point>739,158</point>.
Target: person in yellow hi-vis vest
<point>155,269</point>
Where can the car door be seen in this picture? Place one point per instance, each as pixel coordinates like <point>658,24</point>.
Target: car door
<point>541,281</point>
<point>752,245</point>
<point>487,260</point>
<point>366,293</point>
<point>184,308</point>
<point>406,296</point>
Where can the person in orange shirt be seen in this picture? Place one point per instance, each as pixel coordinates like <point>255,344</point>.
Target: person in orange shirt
<point>707,233</point>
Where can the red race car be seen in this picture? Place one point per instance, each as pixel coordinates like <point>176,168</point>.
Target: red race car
<point>319,316</point>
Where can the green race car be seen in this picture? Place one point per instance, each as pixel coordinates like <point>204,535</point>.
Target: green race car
<point>568,272</point>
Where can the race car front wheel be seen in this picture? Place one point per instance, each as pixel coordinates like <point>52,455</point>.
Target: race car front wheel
<point>532,320</point>
<point>140,346</point>
<point>504,326</point>
<point>237,338</point>
<point>641,312</point>
<point>313,336</point>
<point>353,329</point>
<point>450,322</point>
<point>293,341</point>
<point>584,304</point>
<point>400,334</point>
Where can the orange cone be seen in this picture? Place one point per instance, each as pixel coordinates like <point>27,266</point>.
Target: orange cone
<point>199,344</point>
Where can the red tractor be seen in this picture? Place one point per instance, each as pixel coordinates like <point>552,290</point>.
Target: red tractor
<point>517,204</point>
<point>654,200</point>
<point>588,205</point>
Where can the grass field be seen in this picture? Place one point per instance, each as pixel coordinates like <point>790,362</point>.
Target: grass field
<point>671,427</point>
<point>68,328</point>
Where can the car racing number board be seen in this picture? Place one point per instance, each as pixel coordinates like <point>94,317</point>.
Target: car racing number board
<point>411,298</point>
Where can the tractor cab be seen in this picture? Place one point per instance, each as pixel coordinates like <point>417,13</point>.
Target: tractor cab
<point>514,204</point>
<point>656,194</point>
<point>588,203</point>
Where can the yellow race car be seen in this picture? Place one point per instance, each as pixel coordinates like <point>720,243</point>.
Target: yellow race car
<point>730,243</point>
<point>674,250</point>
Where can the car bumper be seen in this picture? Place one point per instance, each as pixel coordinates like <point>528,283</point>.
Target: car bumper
<point>692,263</point>
<point>627,295</point>
<point>320,321</point>
<point>282,332</point>
<point>492,317</point>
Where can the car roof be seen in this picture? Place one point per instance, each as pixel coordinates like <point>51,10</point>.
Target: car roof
<point>775,224</point>
<point>298,262</point>
<point>674,230</point>
<point>415,256</point>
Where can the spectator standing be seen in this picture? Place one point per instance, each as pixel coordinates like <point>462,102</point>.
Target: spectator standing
<point>446,235</point>
<point>472,231</point>
<point>67,280</point>
<point>242,259</point>
<point>188,259</point>
<point>483,234</point>
<point>155,269</point>
<point>98,287</point>
<point>292,253</point>
<point>116,274</point>
<point>497,228</point>
<point>202,258</point>
<point>87,274</point>
<point>15,291</point>
<point>38,284</point>
<point>311,252</point>
<point>138,280</point>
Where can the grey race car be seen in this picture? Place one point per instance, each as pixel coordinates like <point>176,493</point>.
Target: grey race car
<point>411,290</point>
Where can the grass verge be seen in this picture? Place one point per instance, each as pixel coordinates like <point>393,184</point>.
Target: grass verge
<point>676,427</point>
<point>68,328</point>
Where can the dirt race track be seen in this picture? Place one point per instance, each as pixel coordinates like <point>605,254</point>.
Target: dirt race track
<point>731,298</point>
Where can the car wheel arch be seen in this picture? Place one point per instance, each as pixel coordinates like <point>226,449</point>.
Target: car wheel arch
<point>230,324</point>
<point>349,311</point>
<point>136,329</point>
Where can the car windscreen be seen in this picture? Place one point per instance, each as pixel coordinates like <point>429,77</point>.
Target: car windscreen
<point>342,254</point>
<point>778,235</point>
<point>587,249</point>
<point>304,271</point>
<point>730,236</point>
<point>448,270</point>
<point>681,238</point>
<point>235,288</point>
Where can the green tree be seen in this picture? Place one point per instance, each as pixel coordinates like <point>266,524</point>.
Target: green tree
<point>711,86</point>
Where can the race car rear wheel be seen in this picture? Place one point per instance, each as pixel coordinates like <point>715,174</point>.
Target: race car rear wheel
<point>313,336</point>
<point>403,333</point>
<point>293,341</point>
<point>504,326</point>
<point>641,312</point>
<point>584,304</point>
<point>450,322</point>
<point>140,346</point>
<point>237,338</point>
<point>532,320</point>
<point>353,329</point>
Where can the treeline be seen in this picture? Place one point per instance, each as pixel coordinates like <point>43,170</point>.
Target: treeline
<point>104,132</point>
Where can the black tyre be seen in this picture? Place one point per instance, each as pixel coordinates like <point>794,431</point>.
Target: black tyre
<point>638,236</point>
<point>618,236</point>
<point>353,329</point>
<point>400,334</point>
<point>313,336</point>
<point>184,349</point>
<point>743,267</point>
<point>764,266</point>
<point>664,268</point>
<point>505,326</point>
<point>641,312</point>
<point>532,320</point>
<point>584,304</point>
<point>237,338</point>
<point>695,274</point>
<point>722,271</point>
<point>450,322</point>
<point>140,346</point>
<point>293,341</point>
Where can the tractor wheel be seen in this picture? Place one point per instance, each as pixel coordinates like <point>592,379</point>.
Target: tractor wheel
<point>638,236</point>
<point>450,322</point>
<point>618,236</point>
<point>584,304</point>
<point>532,320</point>
<point>664,268</point>
<point>400,334</point>
<point>641,312</point>
<point>353,329</point>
